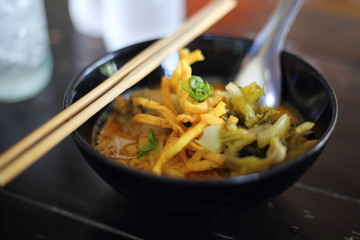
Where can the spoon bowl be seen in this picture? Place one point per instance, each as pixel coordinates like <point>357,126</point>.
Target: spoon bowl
<point>262,62</point>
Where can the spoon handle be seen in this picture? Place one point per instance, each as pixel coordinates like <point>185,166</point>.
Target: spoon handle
<point>271,37</point>
<point>262,63</point>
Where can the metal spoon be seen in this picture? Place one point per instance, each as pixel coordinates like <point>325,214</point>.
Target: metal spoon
<point>262,62</point>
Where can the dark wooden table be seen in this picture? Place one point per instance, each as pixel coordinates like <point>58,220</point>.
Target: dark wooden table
<point>61,197</point>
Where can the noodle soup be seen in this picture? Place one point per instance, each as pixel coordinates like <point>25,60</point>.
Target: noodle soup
<point>190,128</point>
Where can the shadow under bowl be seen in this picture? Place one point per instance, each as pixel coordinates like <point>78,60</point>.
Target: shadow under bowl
<point>302,87</point>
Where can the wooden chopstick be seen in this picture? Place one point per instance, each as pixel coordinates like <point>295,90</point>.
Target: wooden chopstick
<point>100,90</point>
<point>27,151</point>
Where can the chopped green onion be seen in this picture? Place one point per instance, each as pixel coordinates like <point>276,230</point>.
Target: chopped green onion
<point>197,88</point>
<point>108,69</point>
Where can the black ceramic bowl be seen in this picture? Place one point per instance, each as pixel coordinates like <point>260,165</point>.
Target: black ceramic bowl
<point>303,87</point>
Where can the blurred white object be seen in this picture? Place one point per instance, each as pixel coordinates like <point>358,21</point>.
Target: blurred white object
<point>125,22</point>
<point>85,16</point>
<point>25,55</point>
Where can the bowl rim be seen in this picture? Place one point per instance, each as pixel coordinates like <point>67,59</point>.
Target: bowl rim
<point>233,180</point>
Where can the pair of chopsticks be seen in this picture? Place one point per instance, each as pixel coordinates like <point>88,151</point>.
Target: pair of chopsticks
<point>20,156</point>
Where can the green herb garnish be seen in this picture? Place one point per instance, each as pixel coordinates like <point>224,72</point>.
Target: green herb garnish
<point>197,88</point>
<point>108,69</point>
<point>151,144</point>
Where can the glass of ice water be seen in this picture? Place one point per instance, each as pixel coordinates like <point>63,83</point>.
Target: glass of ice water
<point>25,53</point>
